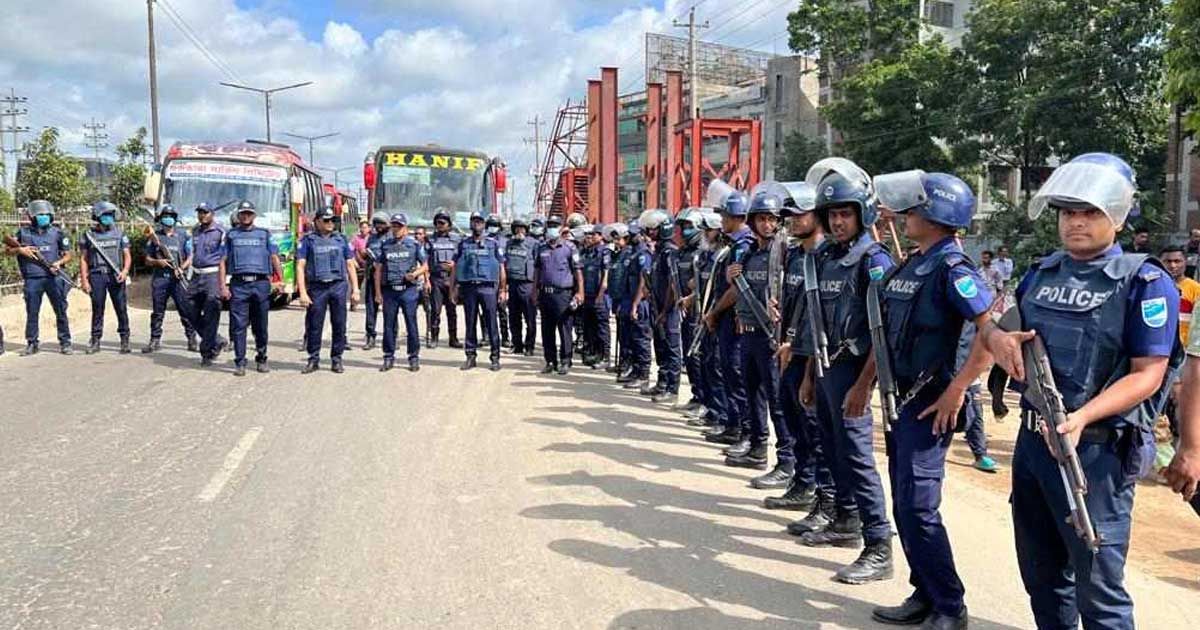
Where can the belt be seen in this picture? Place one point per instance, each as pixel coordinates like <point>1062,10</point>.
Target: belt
<point>549,290</point>
<point>401,286</point>
<point>483,285</point>
<point>326,283</point>
<point>751,328</point>
<point>204,271</point>
<point>1091,434</point>
<point>249,277</point>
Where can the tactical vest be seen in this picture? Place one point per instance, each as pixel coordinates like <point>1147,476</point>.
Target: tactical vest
<point>844,297</point>
<point>739,247</point>
<point>634,269</point>
<point>519,259</point>
<point>1079,310</point>
<point>756,271</point>
<point>595,261</point>
<point>48,242</point>
<point>793,295</point>
<point>703,269</point>
<point>923,328</point>
<point>442,249</point>
<point>478,261</point>
<point>173,244</point>
<point>110,243</point>
<point>326,260</point>
<point>686,267</point>
<point>617,273</point>
<point>399,258</point>
<point>660,277</point>
<point>249,252</point>
<point>374,241</point>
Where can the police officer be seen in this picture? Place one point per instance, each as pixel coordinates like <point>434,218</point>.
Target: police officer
<point>658,229</point>
<point>597,261</point>
<point>103,269</point>
<point>251,257</point>
<point>688,237</point>
<point>176,253</point>
<point>846,208</point>
<point>208,281</point>
<point>426,299</point>
<point>43,240</point>
<point>495,229</point>
<point>520,255</point>
<point>635,310</point>
<point>721,321</point>
<point>925,303</point>
<point>399,275</point>
<point>618,234</point>
<point>324,267</point>
<point>537,230</point>
<point>366,260</point>
<point>558,280</point>
<point>479,279</point>
<point>443,246</point>
<point>1109,323</point>
<point>713,412</point>
<point>812,486</point>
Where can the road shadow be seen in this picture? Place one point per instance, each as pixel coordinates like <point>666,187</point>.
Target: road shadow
<point>649,460</point>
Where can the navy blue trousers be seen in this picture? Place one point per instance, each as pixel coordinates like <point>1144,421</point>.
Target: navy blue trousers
<point>522,315</point>
<point>667,351</point>
<point>917,467</point>
<point>848,442</point>
<point>638,334</point>
<point>692,365</point>
<point>713,374</point>
<point>557,331</point>
<point>1066,583</point>
<point>105,285</point>
<point>394,303</point>
<point>164,286</point>
<point>440,290</point>
<point>729,345</point>
<point>811,466</point>
<point>762,396</point>
<point>205,295</point>
<point>372,303</point>
<point>55,289</point>
<point>595,318</point>
<point>331,298</point>
<point>475,296</point>
<point>249,304</point>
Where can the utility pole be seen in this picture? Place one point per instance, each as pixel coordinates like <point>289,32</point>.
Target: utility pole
<point>536,170</point>
<point>95,139</point>
<point>693,74</point>
<point>311,139</point>
<point>12,111</point>
<point>266,97</point>
<point>153,80</point>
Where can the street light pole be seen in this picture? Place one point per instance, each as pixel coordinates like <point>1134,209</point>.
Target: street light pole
<point>266,97</point>
<point>311,140</point>
<point>336,172</point>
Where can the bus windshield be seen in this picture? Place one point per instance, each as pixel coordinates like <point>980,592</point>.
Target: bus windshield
<point>217,183</point>
<point>421,185</point>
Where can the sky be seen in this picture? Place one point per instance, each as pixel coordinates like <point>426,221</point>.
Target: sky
<point>467,74</point>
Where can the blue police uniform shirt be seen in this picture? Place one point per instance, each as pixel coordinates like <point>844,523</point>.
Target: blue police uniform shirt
<point>756,270</point>
<point>739,247</point>
<point>208,245</point>
<point>966,290</point>
<point>596,261</point>
<point>616,276</point>
<point>556,265</point>
<point>1064,306</point>
<point>478,260</point>
<point>640,263</point>
<point>325,256</point>
<point>112,242</point>
<point>51,242</point>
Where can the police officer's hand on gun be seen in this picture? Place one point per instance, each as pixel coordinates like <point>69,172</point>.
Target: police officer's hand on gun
<point>29,251</point>
<point>734,270</point>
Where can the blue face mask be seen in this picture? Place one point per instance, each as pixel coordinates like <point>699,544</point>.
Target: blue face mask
<point>42,220</point>
<point>167,221</point>
<point>107,220</point>
<point>689,233</point>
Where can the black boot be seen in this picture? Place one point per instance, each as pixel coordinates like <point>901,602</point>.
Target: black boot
<point>648,390</point>
<point>31,349</point>
<point>874,563</point>
<point>731,435</point>
<point>370,343</point>
<point>737,450</point>
<point>756,458</point>
<point>310,367</point>
<point>910,613</point>
<point>193,345</point>
<point>261,366</point>
<point>495,365</point>
<point>818,518</point>
<point>93,346</point>
<point>414,365</point>
<point>667,395</point>
<point>455,343</point>
<point>564,368</point>
<point>388,364</point>
<point>152,347</point>
<point>626,374</point>
<point>125,349</point>
<point>336,367</point>
<point>469,364</point>
<point>239,370</point>
<point>798,497</point>
<point>66,348</point>
<point>938,621</point>
<point>548,368</point>
<point>779,477</point>
<point>845,531</point>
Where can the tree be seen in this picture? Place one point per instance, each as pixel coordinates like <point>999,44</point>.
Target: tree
<point>846,34</point>
<point>50,174</point>
<point>128,175</point>
<point>6,201</point>
<point>799,153</point>
<point>1183,60</point>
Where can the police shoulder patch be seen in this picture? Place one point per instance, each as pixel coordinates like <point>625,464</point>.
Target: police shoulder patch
<point>1154,312</point>
<point>876,273</point>
<point>966,287</point>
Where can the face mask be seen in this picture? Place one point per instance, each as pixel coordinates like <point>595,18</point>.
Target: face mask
<point>537,231</point>
<point>168,221</point>
<point>107,220</point>
<point>492,231</point>
<point>690,233</point>
<point>42,220</point>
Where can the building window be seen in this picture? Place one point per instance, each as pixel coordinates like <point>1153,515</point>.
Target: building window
<point>940,13</point>
<point>778,135</point>
<point>778,90</point>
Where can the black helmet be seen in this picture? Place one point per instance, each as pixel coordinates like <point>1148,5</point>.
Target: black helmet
<point>519,222</point>
<point>165,211</point>
<point>101,208</point>
<point>493,220</point>
<point>246,206</point>
<point>442,215</point>
<point>40,206</point>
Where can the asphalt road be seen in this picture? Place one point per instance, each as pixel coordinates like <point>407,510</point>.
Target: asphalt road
<point>144,492</point>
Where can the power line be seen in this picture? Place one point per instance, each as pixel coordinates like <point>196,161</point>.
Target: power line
<point>180,23</point>
<point>95,138</point>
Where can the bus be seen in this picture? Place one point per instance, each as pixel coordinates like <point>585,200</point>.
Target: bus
<point>345,209</point>
<point>422,180</point>
<point>286,192</point>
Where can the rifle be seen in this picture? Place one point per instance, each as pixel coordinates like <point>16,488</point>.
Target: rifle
<point>776,270</point>
<point>42,262</point>
<point>762,318</point>
<point>87,235</point>
<point>168,257</point>
<point>883,358</point>
<point>705,303</point>
<point>1042,393</point>
<point>816,316</point>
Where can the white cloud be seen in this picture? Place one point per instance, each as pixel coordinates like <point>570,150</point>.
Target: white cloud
<point>457,72</point>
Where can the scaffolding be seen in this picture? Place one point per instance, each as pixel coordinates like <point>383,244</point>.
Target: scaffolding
<point>566,150</point>
<point>716,65</point>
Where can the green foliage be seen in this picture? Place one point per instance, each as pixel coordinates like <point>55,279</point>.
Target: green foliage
<point>846,34</point>
<point>6,201</point>
<point>1183,60</point>
<point>799,153</point>
<point>128,175</point>
<point>1026,240</point>
<point>51,174</point>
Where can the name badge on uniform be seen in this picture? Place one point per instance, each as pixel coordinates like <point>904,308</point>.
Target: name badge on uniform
<point>966,287</point>
<point>1154,312</point>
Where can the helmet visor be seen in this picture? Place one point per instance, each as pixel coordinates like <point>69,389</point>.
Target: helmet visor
<point>839,165</point>
<point>1082,183</point>
<point>901,192</point>
<point>802,194</point>
<point>718,191</point>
